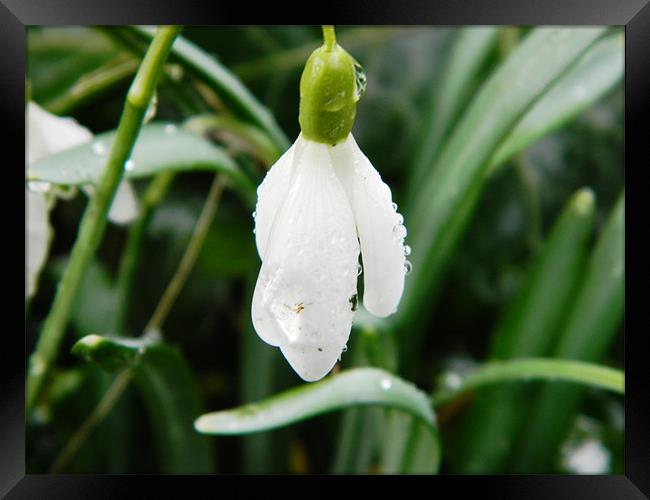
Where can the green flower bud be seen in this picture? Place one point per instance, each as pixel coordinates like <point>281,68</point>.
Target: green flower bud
<point>331,84</point>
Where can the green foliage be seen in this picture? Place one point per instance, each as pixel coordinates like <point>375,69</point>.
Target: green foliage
<point>502,147</point>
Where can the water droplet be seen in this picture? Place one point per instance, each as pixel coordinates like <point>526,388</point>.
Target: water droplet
<point>259,190</point>
<point>253,230</point>
<point>129,165</point>
<point>359,269</point>
<point>386,384</point>
<point>345,348</point>
<point>99,148</point>
<point>400,219</point>
<point>407,250</point>
<point>151,109</point>
<point>359,81</point>
<point>170,129</point>
<point>394,206</point>
<point>452,380</point>
<point>400,231</point>
<point>254,214</point>
<point>408,267</point>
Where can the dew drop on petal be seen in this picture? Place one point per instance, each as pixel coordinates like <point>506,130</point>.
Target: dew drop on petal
<point>129,165</point>
<point>254,215</point>
<point>408,267</point>
<point>359,269</point>
<point>99,148</point>
<point>386,384</point>
<point>407,250</point>
<point>394,206</point>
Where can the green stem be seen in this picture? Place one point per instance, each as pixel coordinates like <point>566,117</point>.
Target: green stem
<point>111,397</point>
<point>156,191</point>
<point>189,258</point>
<point>94,218</point>
<point>526,369</point>
<point>329,37</point>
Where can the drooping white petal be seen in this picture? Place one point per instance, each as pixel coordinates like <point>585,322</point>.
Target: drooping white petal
<point>124,207</point>
<point>380,228</point>
<point>303,297</point>
<point>271,194</point>
<point>48,133</point>
<point>125,204</point>
<point>38,239</point>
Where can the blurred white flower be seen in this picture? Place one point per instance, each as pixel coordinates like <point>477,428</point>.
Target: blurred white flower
<point>48,134</point>
<point>317,207</point>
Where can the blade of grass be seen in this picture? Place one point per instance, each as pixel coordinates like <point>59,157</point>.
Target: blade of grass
<point>458,77</point>
<point>591,326</point>
<point>528,328</point>
<point>593,76</point>
<point>528,369</point>
<point>432,217</point>
<point>230,89</point>
<point>94,219</point>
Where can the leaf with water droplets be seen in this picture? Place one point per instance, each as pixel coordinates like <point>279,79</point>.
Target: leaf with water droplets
<point>160,147</point>
<point>360,386</point>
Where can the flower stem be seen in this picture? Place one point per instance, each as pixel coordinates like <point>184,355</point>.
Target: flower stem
<point>525,369</point>
<point>329,37</point>
<point>111,397</point>
<point>189,258</point>
<point>93,221</point>
<point>154,194</point>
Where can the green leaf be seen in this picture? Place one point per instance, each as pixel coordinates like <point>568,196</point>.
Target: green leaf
<point>435,214</point>
<point>359,386</point>
<point>113,353</point>
<point>171,396</point>
<point>59,57</point>
<point>595,74</point>
<point>169,391</point>
<point>234,94</point>
<point>160,147</point>
<point>527,369</point>
<point>528,328</point>
<point>590,328</point>
<point>465,59</point>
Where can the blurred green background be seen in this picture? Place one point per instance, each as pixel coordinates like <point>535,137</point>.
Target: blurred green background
<point>217,356</point>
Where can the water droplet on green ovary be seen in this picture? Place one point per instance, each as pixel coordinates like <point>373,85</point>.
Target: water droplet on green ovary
<point>359,81</point>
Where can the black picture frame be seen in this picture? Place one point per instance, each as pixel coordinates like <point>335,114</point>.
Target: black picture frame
<point>15,15</point>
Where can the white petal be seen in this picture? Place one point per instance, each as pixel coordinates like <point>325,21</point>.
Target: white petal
<point>125,204</point>
<point>270,195</point>
<point>302,300</point>
<point>48,133</point>
<point>38,238</point>
<point>381,232</point>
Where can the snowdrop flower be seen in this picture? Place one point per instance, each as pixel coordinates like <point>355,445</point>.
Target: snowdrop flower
<point>319,207</point>
<point>48,134</point>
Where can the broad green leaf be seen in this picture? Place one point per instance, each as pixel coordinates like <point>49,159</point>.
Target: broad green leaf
<point>169,391</point>
<point>590,328</point>
<point>160,147</point>
<point>595,74</point>
<point>433,216</point>
<point>359,386</point>
<point>465,59</point>
<point>230,89</point>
